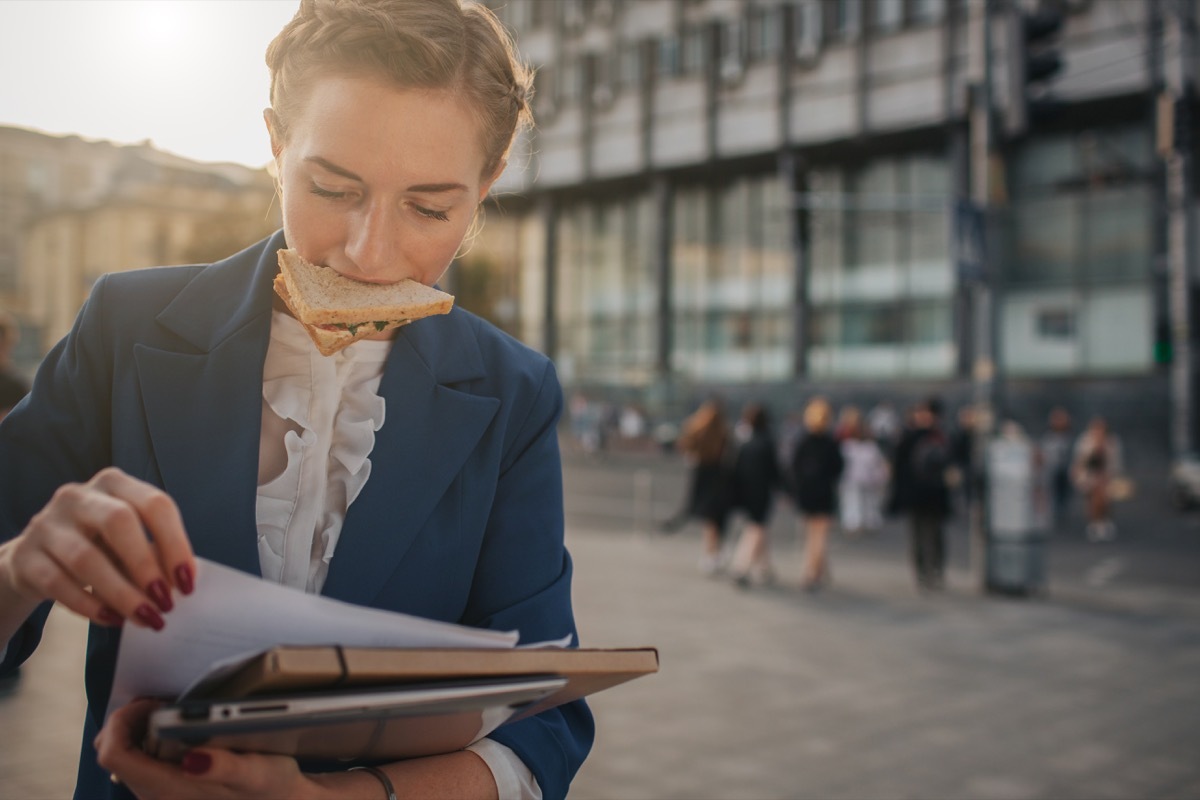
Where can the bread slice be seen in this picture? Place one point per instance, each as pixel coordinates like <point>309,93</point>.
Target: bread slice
<point>338,311</point>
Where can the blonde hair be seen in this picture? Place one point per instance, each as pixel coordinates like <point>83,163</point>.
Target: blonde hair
<point>414,44</point>
<point>818,414</point>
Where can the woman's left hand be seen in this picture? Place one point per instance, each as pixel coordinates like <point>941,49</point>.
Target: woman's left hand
<point>203,773</point>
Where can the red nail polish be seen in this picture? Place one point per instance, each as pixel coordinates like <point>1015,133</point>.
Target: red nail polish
<point>110,617</point>
<point>196,763</point>
<point>183,578</point>
<point>148,616</point>
<point>160,594</point>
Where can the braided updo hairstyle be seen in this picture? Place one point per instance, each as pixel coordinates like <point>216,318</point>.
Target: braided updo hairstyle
<point>415,44</point>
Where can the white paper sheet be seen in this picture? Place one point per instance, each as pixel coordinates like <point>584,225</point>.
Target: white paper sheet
<point>234,614</point>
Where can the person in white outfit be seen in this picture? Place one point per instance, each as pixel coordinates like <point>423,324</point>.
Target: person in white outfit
<point>864,480</point>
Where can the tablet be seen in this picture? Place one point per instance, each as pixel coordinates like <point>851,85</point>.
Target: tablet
<point>380,723</point>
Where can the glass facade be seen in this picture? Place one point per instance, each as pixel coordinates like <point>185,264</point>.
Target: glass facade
<point>732,285</point>
<point>606,292</point>
<point>1078,297</point>
<point>880,283</point>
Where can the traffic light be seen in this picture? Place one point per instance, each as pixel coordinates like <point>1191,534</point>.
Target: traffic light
<point>1163,346</point>
<point>1036,59</point>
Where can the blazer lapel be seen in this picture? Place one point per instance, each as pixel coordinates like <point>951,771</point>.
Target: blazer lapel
<point>204,402</point>
<point>429,431</point>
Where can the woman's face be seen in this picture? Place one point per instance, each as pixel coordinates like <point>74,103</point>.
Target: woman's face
<point>379,183</point>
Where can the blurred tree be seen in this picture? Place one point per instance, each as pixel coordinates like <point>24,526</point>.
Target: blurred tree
<point>221,235</point>
<point>479,285</point>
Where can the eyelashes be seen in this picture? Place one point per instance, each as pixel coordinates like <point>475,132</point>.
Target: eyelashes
<point>428,213</point>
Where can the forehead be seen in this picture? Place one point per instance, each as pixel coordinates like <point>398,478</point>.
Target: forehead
<point>380,131</point>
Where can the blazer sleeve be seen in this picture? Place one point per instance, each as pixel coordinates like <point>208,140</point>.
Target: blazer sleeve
<point>58,434</point>
<point>523,582</point>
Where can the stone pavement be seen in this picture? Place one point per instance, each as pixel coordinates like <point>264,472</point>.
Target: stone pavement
<point>870,690</point>
<point>867,690</point>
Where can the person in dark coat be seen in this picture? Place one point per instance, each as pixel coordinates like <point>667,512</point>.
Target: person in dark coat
<point>816,471</point>
<point>922,458</point>
<point>756,477</point>
<point>705,441</point>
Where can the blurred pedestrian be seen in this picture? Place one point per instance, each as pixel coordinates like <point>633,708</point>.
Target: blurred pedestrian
<point>12,386</point>
<point>1055,450</point>
<point>965,474</point>
<point>883,424</point>
<point>920,490</point>
<point>1096,464</point>
<point>848,419</point>
<point>756,477</point>
<point>864,480</point>
<point>816,471</point>
<point>706,442</point>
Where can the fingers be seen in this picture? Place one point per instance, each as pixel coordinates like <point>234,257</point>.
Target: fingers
<point>46,578</point>
<point>118,750</point>
<point>110,549</point>
<point>159,516</point>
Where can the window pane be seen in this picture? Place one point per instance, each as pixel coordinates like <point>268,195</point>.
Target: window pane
<point>1043,163</point>
<point>1047,239</point>
<point>1118,241</point>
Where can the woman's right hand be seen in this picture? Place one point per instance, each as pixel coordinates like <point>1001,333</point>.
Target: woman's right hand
<point>110,549</point>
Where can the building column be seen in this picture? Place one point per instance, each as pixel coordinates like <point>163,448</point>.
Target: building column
<point>548,209</point>
<point>795,187</point>
<point>1179,67</point>
<point>664,204</point>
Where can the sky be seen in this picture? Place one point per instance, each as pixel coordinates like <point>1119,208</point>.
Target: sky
<point>188,75</point>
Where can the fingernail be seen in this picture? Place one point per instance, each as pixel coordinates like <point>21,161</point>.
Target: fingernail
<point>160,594</point>
<point>183,578</point>
<point>148,616</point>
<point>110,617</point>
<point>196,763</point>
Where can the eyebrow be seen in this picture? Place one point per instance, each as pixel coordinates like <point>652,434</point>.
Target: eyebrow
<point>419,187</point>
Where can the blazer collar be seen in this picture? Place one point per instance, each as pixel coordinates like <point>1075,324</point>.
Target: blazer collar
<point>203,404</point>
<point>432,426</point>
<point>203,401</point>
<point>190,314</point>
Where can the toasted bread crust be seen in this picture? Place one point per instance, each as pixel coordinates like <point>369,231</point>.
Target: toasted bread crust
<point>313,295</point>
<point>322,296</point>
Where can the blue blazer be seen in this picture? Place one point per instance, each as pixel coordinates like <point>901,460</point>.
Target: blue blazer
<point>461,520</point>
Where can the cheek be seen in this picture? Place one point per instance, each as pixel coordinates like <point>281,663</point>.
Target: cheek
<point>306,226</point>
<point>433,253</point>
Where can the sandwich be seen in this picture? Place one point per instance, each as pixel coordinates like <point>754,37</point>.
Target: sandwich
<point>338,311</point>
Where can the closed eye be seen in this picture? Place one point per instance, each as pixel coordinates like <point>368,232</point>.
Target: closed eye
<point>430,213</point>
<point>322,192</point>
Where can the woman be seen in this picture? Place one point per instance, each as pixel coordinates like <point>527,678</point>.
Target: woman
<point>816,471</point>
<point>1096,462</point>
<point>756,476</point>
<point>175,417</point>
<point>705,442</point>
<point>864,479</point>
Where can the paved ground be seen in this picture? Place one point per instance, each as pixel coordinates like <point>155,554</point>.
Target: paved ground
<point>872,691</point>
<point>865,691</point>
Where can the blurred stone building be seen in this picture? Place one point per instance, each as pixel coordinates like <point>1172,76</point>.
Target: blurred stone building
<point>72,209</point>
<point>761,197</point>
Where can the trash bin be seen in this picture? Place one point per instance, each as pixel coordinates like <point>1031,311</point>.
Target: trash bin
<point>1015,560</point>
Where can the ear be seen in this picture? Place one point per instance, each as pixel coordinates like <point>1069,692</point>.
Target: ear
<point>274,131</point>
<point>486,186</point>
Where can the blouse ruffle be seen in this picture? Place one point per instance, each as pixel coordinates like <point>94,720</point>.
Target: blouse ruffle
<point>331,409</point>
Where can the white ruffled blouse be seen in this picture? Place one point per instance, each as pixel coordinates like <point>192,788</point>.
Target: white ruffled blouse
<point>319,418</point>
<point>320,414</point>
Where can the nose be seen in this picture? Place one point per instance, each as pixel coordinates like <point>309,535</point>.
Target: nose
<point>373,247</point>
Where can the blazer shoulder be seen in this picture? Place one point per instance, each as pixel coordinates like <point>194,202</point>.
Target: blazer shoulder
<point>504,354</point>
<point>151,282</point>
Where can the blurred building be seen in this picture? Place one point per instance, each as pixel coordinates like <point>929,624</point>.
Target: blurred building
<point>762,197</point>
<point>73,209</point>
